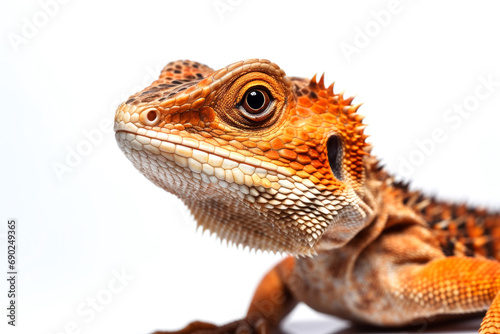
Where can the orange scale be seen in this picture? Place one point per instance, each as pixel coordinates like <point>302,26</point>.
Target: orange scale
<point>302,149</point>
<point>286,139</point>
<point>236,144</point>
<point>227,137</point>
<point>304,101</point>
<point>303,159</point>
<point>273,155</point>
<point>198,103</point>
<point>331,186</point>
<point>323,181</point>
<point>309,169</point>
<point>322,102</point>
<point>295,165</point>
<point>207,114</point>
<point>256,151</point>
<point>327,117</point>
<point>190,90</point>
<point>313,153</point>
<point>264,146</point>
<point>277,144</point>
<point>289,131</point>
<point>303,112</point>
<point>181,100</point>
<point>288,154</point>
<point>249,144</point>
<point>323,94</point>
<point>310,129</point>
<point>303,174</point>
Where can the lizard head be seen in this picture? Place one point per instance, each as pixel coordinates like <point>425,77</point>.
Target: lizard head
<point>261,159</point>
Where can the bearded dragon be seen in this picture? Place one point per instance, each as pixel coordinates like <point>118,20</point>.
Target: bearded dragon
<point>281,164</point>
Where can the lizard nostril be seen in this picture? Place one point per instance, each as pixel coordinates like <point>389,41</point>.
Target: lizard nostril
<point>150,117</point>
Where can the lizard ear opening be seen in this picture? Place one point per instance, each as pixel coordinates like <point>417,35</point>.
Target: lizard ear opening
<point>334,150</point>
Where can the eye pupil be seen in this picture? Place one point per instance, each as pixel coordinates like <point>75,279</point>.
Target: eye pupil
<point>256,103</point>
<point>256,99</point>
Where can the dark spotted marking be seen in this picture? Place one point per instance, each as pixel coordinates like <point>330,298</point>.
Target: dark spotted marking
<point>448,248</point>
<point>151,98</point>
<point>489,246</point>
<point>152,90</point>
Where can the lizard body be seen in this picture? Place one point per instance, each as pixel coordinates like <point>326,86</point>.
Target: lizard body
<point>281,164</point>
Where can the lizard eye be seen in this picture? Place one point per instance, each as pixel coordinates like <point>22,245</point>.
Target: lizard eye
<point>256,104</point>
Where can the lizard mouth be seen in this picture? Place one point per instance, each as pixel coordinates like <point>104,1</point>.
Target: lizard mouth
<point>237,197</point>
<point>211,163</point>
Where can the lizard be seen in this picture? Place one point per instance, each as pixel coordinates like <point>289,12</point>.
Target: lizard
<point>282,164</point>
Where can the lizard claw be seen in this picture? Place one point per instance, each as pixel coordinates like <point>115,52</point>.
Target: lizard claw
<point>237,327</point>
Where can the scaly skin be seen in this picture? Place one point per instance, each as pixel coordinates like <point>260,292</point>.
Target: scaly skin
<point>281,164</point>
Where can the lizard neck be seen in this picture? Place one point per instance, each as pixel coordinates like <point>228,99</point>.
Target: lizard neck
<point>362,216</point>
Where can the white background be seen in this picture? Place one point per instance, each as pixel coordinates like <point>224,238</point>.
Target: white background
<point>102,216</point>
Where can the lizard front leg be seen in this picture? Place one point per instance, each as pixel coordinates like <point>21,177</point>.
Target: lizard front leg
<point>271,302</point>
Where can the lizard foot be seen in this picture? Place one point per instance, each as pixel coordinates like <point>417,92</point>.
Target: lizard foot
<point>237,327</point>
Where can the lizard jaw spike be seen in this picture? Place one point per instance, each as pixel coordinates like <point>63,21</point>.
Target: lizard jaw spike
<point>359,129</point>
<point>313,83</point>
<point>353,109</point>
<point>349,99</point>
<point>321,82</point>
<point>330,88</point>
<point>359,118</point>
<point>368,148</point>
<point>341,95</point>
